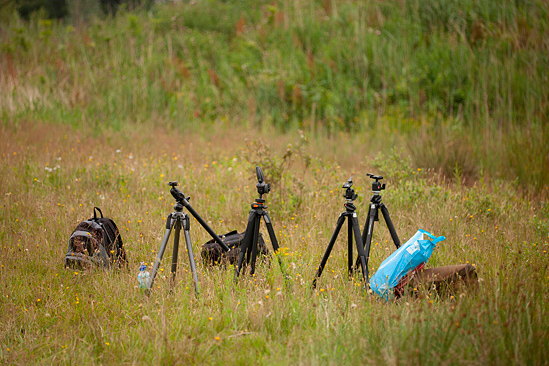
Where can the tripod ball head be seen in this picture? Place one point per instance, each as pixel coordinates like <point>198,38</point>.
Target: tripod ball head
<point>348,184</point>
<point>176,193</point>
<point>376,185</point>
<point>349,192</point>
<point>262,187</point>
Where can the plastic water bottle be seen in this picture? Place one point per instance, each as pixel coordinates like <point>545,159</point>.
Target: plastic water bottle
<point>143,276</point>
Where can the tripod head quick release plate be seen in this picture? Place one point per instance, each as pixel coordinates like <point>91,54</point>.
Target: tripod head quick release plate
<point>376,186</point>
<point>262,187</point>
<point>349,192</point>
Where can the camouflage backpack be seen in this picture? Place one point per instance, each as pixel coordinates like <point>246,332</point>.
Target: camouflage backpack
<point>95,242</point>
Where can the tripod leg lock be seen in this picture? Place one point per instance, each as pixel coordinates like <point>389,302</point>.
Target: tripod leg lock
<point>169,222</point>
<point>186,223</point>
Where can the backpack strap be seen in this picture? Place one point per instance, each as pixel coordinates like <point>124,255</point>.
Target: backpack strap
<point>81,258</point>
<point>104,256</point>
<point>229,233</point>
<point>81,233</point>
<point>117,237</point>
<point>102,260</point>
<point>93,224</point>
<point>95,213</point>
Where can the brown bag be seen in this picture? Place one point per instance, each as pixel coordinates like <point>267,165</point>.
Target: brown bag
<point>212,254</point>
<point>441,279</point>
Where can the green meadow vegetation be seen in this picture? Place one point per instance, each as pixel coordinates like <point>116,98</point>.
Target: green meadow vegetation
<point>447,99</point>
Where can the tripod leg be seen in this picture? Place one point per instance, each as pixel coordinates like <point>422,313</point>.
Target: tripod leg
<point>390,225</point>
<point>270,229</point>
<point>246,242</point>
<point>253,247</point>
<point>169,227</point>
<point>186,227</point>
<point>365,231</point>
<point>274,243</point>
<point>368,230</point>
<point>340,221</point>
<point>350,247</point>
<point>177,233</point>
<point>363,239</point>
<point>360,248</point>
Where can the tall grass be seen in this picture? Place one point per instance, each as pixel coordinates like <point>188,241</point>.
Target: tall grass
<point>416,69</point>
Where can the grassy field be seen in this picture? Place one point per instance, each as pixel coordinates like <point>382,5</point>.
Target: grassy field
<point>50,314</point>
<point>104,112</point>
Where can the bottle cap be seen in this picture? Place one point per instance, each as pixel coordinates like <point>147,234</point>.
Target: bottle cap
<point>142,267</point>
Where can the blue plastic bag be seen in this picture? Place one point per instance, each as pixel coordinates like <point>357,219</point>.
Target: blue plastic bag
<point>410,255</point>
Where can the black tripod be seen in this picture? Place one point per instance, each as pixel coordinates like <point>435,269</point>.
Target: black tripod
<point>248,247</point>
<point>353,230</point>
<point>178,219</point>
<point>373,215</point>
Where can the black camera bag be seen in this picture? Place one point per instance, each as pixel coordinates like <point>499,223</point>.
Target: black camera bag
<point>95,242</point>
<point>212,254</point>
